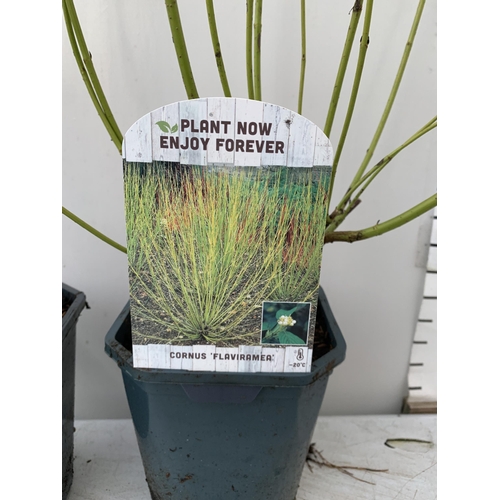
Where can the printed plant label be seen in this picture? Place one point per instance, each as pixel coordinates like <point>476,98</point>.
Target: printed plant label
<point>226,201</point>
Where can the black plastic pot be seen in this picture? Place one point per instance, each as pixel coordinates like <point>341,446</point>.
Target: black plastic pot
<point>77,300</point>
<point>205,435</point>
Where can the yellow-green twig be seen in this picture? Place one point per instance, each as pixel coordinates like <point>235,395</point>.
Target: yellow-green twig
<point>392,95</point>
<point>217,50</point>
<point>344,59</point>
<point>256,50</point>
<point>303,58</point>
<point>92,230</point>
<point>249,62</point>
<point>383,227</point>
<point>83,59</point>
<point>174,20</point>
<point>363,48</point>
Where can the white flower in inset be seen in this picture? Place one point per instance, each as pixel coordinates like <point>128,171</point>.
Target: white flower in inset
<point>286,321</point>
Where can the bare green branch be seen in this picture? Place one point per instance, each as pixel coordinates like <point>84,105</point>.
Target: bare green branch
<point>363,48</point>
<point>394,91</point>
<point>249,60</point>
<point>351,32</point>
<point>83,59</point>
<point>303,59</point>
<point>217,50</point>
<point>256,50</point>
<point>341,212</point>
<point>174,20</point>
<point>92,230</point>
<point>383,227</point>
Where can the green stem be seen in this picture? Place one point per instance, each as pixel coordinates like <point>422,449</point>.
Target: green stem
<point>249,31</point>
<point>375,170</point>
<point>174,20</point>
<point>216,45</point>
<point>256,49</point>
<point>356,200</point>
<point>363,48</point>
<point>339,214</point>
<point>351,32</point>
<point>89,65</point>
<point>92,230</point>
<point>384,227</point>
<point>394,91</point>
<point>86,67</point>
<point>303,60</point>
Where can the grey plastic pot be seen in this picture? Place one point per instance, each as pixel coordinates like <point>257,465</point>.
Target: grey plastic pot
<point>69,321</point>
<point>217,436</point>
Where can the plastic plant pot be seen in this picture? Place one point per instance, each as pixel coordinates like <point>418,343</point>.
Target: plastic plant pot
<point>69,320</point>
<point>221,435</point>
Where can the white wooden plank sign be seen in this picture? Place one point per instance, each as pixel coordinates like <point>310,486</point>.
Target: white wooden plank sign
<point>226,201</point>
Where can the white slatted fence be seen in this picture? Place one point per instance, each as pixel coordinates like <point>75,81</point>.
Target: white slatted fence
<point>422,373</point>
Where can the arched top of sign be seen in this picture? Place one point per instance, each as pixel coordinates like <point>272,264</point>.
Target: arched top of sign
<point>227,131</point>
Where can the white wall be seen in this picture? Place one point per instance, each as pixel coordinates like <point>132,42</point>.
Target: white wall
<point>374,287</point>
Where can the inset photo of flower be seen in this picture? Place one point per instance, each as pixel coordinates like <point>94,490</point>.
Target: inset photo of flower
<point>285,323</point>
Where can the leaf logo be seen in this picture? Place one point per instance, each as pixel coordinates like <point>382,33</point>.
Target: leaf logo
<point>165,127</point>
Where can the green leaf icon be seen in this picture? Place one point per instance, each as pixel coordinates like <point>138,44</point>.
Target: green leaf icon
<point>164,126</point>
<point>175,128</point>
